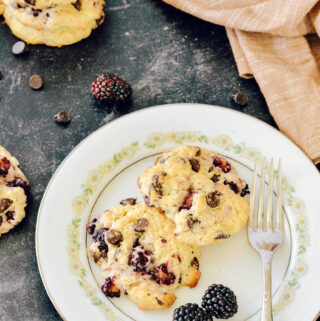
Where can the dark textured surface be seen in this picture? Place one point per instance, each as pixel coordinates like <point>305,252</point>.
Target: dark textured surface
<point>167,56</point>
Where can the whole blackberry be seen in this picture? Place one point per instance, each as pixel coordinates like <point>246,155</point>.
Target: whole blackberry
<point>190,312</point>
<point>111,89</point>
<point>219,301</point>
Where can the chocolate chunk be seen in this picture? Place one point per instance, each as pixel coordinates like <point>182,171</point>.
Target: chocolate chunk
<point>5,204</point>
<point>222,236</point>
<point>19,48</point>
<point>1,220</point>
<point>31,2</point>
<point>240,98</point>
<point>62,117</point>
<point>114,236</point>
<point>245,191</point>
<point>159,301</point>
<point>215,178</point>
<point>233,186</point>
<point>35,82</point>
<point>10,215</point>
<point>141,224</point>
<point>191,221</point>
<point>195,164</point>
<point>195,263</point>
<point>147,201</point>
<point>77,5</point>
<point>198,153</point>
<point>213,199</point>
<point>157,186</point>
<point>210,169</point>
<point>130,200</point>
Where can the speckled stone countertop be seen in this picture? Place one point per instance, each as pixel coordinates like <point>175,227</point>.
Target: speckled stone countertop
<point>167,56</point>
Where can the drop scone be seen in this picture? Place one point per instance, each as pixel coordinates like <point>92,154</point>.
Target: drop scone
<point>13,186</point>
<point>200,191</point>
<point>140,256</point>
<point>56,26</point>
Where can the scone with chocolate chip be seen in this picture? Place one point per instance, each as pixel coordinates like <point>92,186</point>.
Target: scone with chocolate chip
<point>200,191</point>
<point>140,256</point>
<point>54,26</point>
<point>13,187</point>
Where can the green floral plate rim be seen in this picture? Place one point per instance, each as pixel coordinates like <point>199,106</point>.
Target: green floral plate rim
<point>155,140</point>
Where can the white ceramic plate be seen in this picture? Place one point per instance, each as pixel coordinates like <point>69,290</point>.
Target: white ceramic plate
<point>103,169</point>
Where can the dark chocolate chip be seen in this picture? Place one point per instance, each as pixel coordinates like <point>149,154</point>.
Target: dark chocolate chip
<point>77,5</point>
<point>141,224</point>
<point>130,200</point>
<point>222,236</point>
<point>233,186</point>
<point>215,178</point>
<point>1,220</point>
<point>245,191</point>
<point>198,153</point>
<point>210,169</point>
<point>5,204</point>
<point>114,236</point>
<point>31,2</point>
<point>159,301</point>
<point>195,262</point>
<point>157,186</point>
<point>240,98</point>
<point>62,117</point>
<point>10,215</point>
<point>19,48</point>
<point>195,164</point>
<point>35,82</point>
<point>213,199</point>
<point>191,221</point>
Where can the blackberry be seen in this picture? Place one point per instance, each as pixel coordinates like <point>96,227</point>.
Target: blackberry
<point>220,302</point>
<point>190,312</point>
<point>111,89</point>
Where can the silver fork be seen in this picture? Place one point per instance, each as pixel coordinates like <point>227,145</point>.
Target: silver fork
<point>265,235</point>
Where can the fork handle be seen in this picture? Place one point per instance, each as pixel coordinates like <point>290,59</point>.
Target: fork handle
<point>267,289</point>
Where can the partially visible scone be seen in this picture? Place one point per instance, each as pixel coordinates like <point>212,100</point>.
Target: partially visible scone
<point>200,191</point>
<point>56,26</point>
<point>1,7</point>
<point>140,256</point>
<point>13,186</point>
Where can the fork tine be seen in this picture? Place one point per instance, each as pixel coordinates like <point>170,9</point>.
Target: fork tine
<point>270,198</point>
<point>261,195</point>
<point>279,198</point>
<point>253,193</point>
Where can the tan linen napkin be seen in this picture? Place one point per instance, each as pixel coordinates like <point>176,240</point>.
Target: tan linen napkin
<point>268,41</point>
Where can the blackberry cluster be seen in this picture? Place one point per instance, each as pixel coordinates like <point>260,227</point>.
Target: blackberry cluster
<point>111,89</point>
<point>220,302</point>
<point>190,312</point>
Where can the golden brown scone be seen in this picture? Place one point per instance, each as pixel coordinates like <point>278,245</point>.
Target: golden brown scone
<point>200,191</point>
<point>58,26</point>
<point>140,256</point>
<point>13,185</point>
